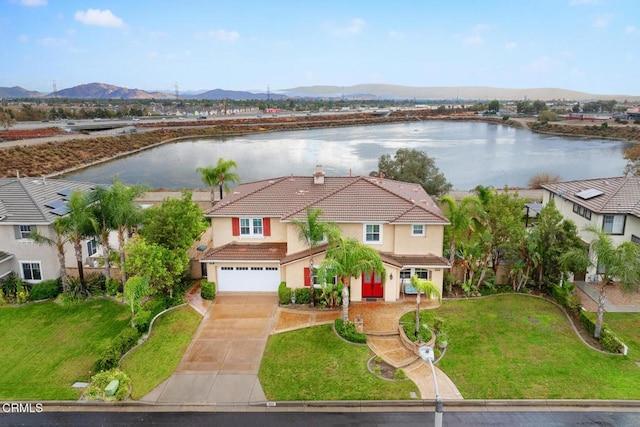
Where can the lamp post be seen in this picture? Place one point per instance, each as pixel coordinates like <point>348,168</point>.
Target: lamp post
<point>426,353</point>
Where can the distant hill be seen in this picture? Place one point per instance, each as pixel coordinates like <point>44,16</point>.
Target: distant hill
<point>106,91</point>
<point>235,95</point>
<point>18,92</point>
<point>383,91</point>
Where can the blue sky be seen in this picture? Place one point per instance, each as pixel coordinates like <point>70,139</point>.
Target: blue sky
<point>585,45</point>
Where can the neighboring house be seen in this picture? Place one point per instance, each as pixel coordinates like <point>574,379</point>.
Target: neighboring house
<point>26,205</point>
<point>255,245</point>
<point>611,204</point>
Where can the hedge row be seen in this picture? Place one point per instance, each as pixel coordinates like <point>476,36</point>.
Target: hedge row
<point>608,340</point>
<point>348,332</point>
<point>116,348</point>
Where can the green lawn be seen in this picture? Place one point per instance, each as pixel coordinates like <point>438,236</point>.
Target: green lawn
<point>626,326</point>
<point>155,360</point>
<point>314,364</point>
<point>519,347</point>
<point>47,347</point>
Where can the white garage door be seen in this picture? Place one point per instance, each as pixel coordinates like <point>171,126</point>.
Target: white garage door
<point>248,279</point>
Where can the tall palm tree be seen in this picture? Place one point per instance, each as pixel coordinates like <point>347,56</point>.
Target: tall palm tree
<point>124,213</point>
<point>111,206</point>
<point>312,232</point>
<point>59,241</point>
<point>79,223</point>
<point>430,290</point>
<point>461,218</point>
<point>219,175</point>
<point>347,259</point>
<point>620,263</point>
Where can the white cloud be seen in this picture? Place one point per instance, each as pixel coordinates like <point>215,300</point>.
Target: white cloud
<point>102,18</point>
<point>152,55</point>
<point>511,45</point>
<point>221,35</point>
<point>631,29</point>
<point>603,21</point>
<point>71,32</point>
<point>355,26</point>
<point>31,3</point>
<point>22,38</point>
<point>396,35</point>
<point>473,40</point>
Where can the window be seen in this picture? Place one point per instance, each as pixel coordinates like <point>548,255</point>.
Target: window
<point>635,239</point>
<point>417,230</point>
<point>31,271</point>
<point>316,280</point>
<point>405,274</point>
<point>373,233</point>
<point>582,211</point>
<point>92,247</point>
<point>613,224</point>
<point>251,226</point>
<point>23,231</point>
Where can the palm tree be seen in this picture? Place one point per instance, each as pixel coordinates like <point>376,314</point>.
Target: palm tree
<point>461,218</point>
<point>620,263</point>
<point>111,206</point>
<point>124,213</point>
<point>219,175</point>
<point>60,240</point>
<point>312,232</point>
<point>347,259</point>
<point>430,290</point>
<point>79,223</point>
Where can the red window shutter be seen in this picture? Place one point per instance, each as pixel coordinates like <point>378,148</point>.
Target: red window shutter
<point>266,227</point>
<point>307,282</point>
<point>235,226</point>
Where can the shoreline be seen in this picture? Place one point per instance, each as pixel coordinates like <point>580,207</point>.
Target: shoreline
<point>77,154</point>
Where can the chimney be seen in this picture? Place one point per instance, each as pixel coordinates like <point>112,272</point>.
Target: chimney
<point>318,177</point>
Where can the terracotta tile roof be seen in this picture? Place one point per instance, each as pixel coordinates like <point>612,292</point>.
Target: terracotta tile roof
<point>303,254</point>
<point>428,260</point>
<point>342,199</point>
<point>619,195</point>
<point>247,252</point>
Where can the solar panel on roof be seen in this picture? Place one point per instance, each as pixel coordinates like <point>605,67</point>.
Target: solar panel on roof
<point>65,192</point>
<point>589,193</point>
<point>63,210</point>
<point>54,204</point>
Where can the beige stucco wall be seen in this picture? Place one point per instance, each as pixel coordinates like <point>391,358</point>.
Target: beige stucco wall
<point>430,243</point>
<point>26,250</point>
<point>222,233</point>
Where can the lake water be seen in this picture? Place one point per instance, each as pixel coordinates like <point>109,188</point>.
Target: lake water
<point>468,153</point>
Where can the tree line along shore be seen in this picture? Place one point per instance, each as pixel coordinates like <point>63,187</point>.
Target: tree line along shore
<point>56,157</point>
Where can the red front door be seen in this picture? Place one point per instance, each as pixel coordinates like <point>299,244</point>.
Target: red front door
<point>371,285</point>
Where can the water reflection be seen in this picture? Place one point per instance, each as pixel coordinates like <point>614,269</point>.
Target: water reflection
<point>467,153</point>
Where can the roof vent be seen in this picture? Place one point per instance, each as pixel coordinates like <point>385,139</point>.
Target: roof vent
<point>318,177</point>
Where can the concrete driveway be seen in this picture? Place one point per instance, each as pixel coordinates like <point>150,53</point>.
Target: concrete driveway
<point>221,364</point>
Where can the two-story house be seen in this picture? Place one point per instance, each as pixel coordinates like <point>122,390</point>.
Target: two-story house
<point>255,244</point>
<point>610,204</point>
<point>26,205</point>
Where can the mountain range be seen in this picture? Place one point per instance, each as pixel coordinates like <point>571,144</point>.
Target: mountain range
<point>363,91</point>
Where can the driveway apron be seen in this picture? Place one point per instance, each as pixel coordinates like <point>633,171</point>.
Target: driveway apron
<point>221,364</point>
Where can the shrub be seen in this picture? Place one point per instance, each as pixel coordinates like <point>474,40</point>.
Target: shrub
<point>505,117</point>
<point>284,294</point>
<point>442,339</point>
<point>142,320</point>
<point>208,290</point>
<point>45,290</point>
<point>9,286</point>
<point>604,126</point>
<point>348,332</point>
<point>410,331</point>
<point>548,116</point>
<point>99,381</point>
<point>95,283</point>
<point>113,287</point>
<point>636,122</point>
<point>302,296</point>
<point>77,290</point>
<point>540,178</point>
<point>608,340</point>
<point>399,374</point>
<point>566,296</point>
<point>122,343</point>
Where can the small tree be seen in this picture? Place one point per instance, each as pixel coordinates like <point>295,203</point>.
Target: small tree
<point>620,263</point>
<point>6,120</point>
<point>59,241</point>
<point>430,290</point>
<point>135,289</point>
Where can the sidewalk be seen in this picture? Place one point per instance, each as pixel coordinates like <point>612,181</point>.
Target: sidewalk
<point>593,291</point>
